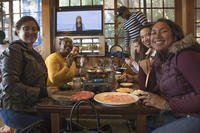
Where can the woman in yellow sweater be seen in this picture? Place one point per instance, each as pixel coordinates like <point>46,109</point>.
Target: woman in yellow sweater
<point>61,66</point>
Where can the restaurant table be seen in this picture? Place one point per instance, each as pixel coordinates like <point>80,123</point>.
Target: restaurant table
<point>131,112</point>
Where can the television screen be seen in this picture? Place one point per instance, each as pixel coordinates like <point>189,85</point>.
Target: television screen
<point>82,20</point>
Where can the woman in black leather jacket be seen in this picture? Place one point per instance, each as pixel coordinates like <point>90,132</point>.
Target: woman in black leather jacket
<point>24,77</point>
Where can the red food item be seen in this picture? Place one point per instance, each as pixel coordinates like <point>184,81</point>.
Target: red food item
<point>82,95</point>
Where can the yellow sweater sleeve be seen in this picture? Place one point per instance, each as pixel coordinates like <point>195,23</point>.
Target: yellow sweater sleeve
<point>58,72</point>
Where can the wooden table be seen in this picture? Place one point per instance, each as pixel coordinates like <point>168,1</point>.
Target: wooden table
<point>133,111</point>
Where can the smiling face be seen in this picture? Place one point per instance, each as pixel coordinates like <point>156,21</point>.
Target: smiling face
<point>66,46</point>
<point>145,35</point>
<point>161,36</point>
<point>28,32</point>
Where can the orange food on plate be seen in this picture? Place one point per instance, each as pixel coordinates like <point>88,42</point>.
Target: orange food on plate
<point>124,89</point>
<point>81,95</point>
<point>118,98</point>
<point>115,98</point>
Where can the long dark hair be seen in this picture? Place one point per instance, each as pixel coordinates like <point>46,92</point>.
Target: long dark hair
<point>79,28</point>
<point>141,55</point>
<point>176,29</point>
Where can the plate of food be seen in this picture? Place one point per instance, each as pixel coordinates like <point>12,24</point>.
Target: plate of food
<point>124,89</point>
<point>125,84</point>
<point>138,92</point>
<point>115,98</point>
<point>81,95</point>
<point>70,83</point>
<point>72,96</point>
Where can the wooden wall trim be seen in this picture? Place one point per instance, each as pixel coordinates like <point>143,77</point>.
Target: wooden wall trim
<point>48,34</point>
<point>188,14</point>
<point>178,12</point>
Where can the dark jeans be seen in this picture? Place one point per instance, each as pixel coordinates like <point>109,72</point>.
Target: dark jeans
<point>168,123</point>
<point>20,120</point>
<point>183,125</point>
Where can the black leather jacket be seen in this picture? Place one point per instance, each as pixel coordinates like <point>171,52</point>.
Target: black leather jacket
<point>24,77</point>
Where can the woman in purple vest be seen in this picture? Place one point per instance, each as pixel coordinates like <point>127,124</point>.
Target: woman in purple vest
<point>176,73</point>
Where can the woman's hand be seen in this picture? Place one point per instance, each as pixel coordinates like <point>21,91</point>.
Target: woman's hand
<point>154,100</point>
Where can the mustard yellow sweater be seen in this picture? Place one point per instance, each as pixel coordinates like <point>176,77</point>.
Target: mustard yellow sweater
<point>58,72</point>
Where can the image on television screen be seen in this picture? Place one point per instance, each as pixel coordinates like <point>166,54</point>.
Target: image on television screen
<point>77,21</point>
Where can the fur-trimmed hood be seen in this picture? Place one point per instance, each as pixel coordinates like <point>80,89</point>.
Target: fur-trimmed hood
<point>186,42</point>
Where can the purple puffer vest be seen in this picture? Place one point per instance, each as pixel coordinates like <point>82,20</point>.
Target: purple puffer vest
<point>169,80</point>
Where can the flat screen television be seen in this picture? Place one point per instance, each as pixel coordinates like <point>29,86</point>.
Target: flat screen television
<point>79,20</point>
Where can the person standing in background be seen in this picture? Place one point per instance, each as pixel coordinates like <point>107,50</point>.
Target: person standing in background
<point>132,23</point>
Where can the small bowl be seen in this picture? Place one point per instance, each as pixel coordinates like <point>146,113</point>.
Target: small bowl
<point>126,84</point>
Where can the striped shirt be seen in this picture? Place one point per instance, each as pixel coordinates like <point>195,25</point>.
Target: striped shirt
<point>132,26</point>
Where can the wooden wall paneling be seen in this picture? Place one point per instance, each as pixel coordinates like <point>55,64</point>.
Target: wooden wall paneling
<point>48,23</point>
<point>188,13</point>
<point>178,12</point>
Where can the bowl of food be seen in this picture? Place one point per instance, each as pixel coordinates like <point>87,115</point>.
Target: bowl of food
<point>126,84</point>
<point>124,89</point>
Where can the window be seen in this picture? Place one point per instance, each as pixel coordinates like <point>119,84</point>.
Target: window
<point>153,9</point>
<point>79,2</point>
<point>12,11</point>
<point>197,20</point>
<point>109,22</point>
<point>89,46</point>
<point>113,25</point>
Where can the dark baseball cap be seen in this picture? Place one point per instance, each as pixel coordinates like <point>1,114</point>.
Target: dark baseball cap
<point>121,9</point>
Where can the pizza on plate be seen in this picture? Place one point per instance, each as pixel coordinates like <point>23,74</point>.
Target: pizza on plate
<point>115,98</point>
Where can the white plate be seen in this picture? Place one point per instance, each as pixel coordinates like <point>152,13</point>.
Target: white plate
<point>116,98</point>
<point>72,95</point>
<point>70,83</point>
